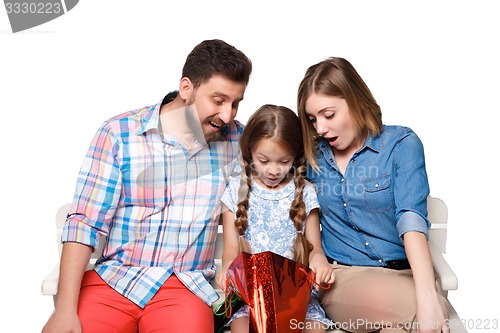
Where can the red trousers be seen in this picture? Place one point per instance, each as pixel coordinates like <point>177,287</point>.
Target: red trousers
<point>173,309</point>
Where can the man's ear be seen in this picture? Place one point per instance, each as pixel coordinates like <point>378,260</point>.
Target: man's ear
<point>185,88</point>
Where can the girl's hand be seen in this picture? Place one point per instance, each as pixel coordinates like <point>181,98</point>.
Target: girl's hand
<point>220,278</point>
<point>324,271</point>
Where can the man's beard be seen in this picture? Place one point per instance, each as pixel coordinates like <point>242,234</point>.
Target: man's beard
<point>210,136</point>
<point>213,136</point>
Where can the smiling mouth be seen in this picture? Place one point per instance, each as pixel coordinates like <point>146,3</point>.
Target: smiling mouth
<point>215,125</point>
<point>333,139</point>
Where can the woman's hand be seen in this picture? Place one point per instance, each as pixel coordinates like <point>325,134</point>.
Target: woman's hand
<point>430,316</point>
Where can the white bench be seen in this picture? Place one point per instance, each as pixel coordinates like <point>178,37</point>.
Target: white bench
<point>438,216</point>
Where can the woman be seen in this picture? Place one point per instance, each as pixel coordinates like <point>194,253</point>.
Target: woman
<point>372,188</point>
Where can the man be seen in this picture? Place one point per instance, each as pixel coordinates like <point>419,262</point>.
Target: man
<point>151,183</point>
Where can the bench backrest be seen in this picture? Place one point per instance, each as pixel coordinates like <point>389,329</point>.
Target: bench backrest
<point>438,216</point>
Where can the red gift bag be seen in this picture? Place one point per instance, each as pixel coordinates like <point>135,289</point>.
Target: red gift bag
<point>276,289</point>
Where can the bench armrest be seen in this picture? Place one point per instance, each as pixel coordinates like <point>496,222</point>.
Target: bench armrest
<point>51,281</point>
<point>444,274</point>
<point>49,284</point>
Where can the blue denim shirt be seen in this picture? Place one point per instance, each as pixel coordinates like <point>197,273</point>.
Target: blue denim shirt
<point>382,195</point>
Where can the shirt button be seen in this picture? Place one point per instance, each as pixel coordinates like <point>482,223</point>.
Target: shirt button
<point>343,180</point>
<point>366,244</point>
<point>380,260</point>
<point>345,204</point>
<point>376,185</point>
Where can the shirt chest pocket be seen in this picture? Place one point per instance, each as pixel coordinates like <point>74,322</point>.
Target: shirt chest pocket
<point>144,184</point>
<point>378,194</point>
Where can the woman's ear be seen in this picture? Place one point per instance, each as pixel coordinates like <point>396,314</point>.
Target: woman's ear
<point>185,88</point>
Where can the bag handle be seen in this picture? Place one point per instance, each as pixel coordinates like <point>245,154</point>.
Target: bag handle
<point>228,299</point>
<point>313,280</point>
<point>230,313</point>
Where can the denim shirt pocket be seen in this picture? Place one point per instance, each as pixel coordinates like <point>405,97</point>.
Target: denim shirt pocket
<point>377,194</point>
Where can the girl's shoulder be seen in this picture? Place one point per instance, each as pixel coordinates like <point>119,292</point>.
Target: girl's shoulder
<point>234,181</point>
<point>233,185</point>
<point>309,186</point>
<point>309,189</point>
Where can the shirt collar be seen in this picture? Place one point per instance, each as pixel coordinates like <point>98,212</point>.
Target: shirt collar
<point>149,118</point>
<point>273,195</point>
<point>374,143</point>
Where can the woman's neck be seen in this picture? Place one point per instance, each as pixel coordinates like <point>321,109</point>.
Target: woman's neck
<point>342,157</point>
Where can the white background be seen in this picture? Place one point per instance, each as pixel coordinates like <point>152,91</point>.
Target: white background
<point>431,65</point>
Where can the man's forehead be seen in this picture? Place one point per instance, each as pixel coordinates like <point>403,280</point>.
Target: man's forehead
<point>219,84</point>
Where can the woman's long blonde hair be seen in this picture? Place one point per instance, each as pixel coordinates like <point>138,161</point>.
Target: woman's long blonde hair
<point>283,126</point>
<point>337,77</point>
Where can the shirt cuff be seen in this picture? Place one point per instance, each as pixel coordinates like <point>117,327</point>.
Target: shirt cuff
<point>411,221</point>
<point>75,230</point>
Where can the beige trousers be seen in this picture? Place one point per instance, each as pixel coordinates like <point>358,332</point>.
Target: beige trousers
<point>367,299</point>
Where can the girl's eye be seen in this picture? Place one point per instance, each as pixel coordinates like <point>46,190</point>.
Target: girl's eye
<point>218,101</point>
<point>285,162</point>
<point>312,119</point>
<point>263,161</point>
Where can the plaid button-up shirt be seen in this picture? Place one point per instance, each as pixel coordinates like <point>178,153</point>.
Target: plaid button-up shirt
<point>157,202</point>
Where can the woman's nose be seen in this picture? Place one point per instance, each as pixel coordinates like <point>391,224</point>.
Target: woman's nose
<point>321,129</point>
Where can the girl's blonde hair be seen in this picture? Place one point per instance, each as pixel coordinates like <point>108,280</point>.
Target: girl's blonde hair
<point>282,126</point>
<point>337,77</point>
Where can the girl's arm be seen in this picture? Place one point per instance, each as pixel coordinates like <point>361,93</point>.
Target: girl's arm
<point>231,245</point>
<point>430,314</point>
<point>317,259</point>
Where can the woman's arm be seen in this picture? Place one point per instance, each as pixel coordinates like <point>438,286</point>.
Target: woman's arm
<point>430,315</point>
<point>317,259</point>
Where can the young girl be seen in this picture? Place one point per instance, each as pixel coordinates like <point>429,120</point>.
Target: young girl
<point>271,207</point>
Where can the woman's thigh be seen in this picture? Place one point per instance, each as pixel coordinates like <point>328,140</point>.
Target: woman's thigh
<point>364,299</point>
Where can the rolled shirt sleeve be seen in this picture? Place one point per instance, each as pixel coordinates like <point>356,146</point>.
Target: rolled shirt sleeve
<point>411,186</point>
<point>97,192</point>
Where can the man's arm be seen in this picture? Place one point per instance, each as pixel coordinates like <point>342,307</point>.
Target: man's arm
<point>74,260</point>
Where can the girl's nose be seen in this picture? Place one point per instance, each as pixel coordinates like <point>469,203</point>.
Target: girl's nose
<point>274,171</point>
